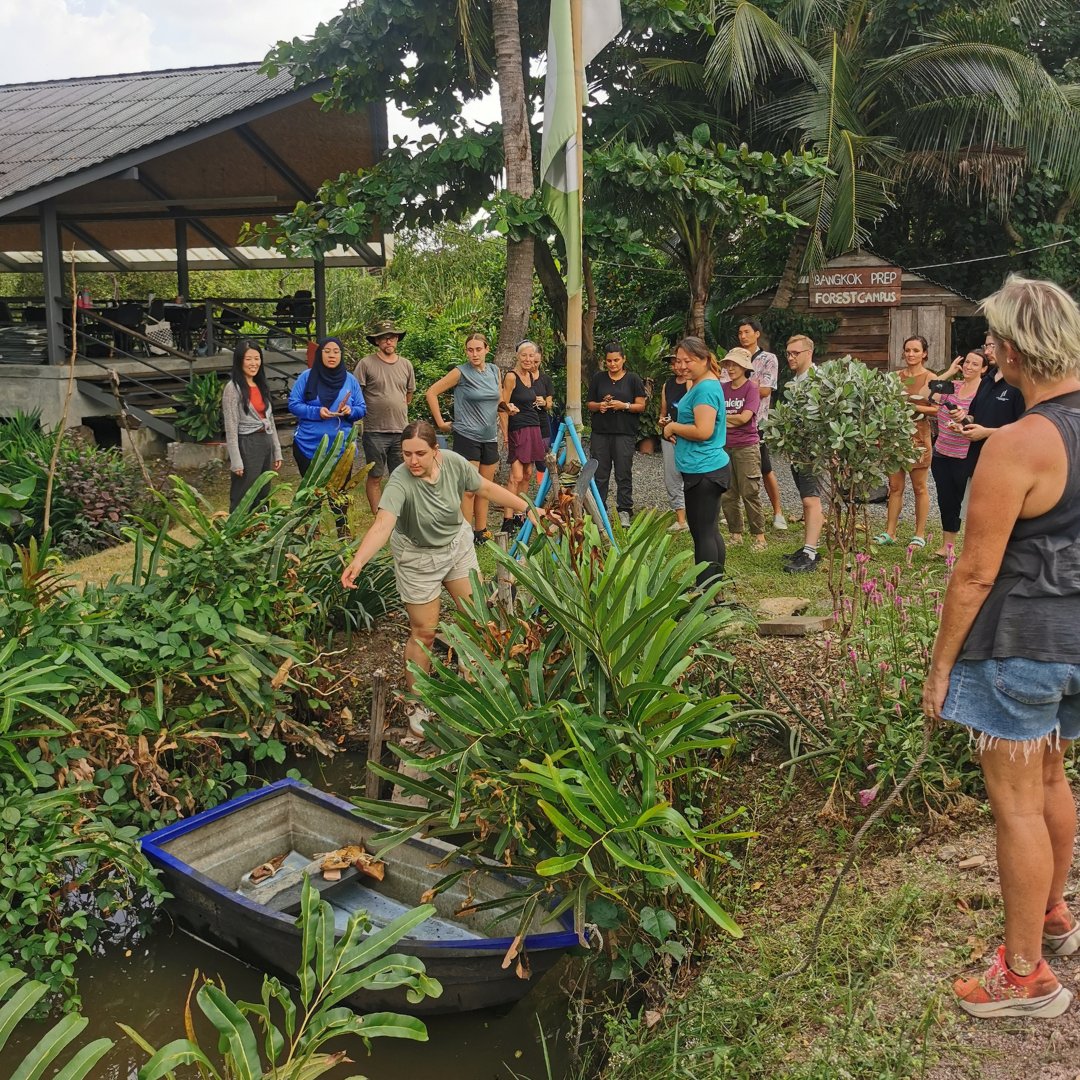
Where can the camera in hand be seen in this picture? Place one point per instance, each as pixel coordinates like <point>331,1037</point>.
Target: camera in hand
<point>940,386</point>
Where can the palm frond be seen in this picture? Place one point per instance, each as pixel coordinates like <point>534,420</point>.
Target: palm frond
<point>685,74</point>
<point>957,95</point>
<point>805,18</point>
<point>749,49</point>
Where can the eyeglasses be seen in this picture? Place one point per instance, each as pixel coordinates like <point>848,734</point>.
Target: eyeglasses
<point>796,352</point>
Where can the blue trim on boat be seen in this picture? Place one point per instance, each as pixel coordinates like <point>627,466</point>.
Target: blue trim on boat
<point>151,842</point>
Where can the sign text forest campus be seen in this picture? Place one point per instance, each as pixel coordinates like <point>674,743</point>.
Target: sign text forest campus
<point>855,286</point>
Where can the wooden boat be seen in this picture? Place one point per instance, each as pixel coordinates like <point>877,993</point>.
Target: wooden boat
<point>206,862</point>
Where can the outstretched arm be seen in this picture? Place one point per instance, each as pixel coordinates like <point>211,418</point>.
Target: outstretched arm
<point>374,540</point>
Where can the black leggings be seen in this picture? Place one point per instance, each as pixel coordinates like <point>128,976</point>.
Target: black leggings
<point>703,491</point>
<point>950,477</point>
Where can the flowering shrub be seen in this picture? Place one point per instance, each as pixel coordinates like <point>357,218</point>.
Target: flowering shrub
<point>876,721</point>
<point>852,426</point>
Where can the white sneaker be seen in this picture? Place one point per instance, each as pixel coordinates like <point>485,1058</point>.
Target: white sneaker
<point>624,518</point>
<point>417,716</point>
<point>678,527</point>
<point>779,522</point>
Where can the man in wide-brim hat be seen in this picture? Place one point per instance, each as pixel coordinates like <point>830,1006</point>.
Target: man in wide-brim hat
<point>389,382</point>
<point>385,329</point>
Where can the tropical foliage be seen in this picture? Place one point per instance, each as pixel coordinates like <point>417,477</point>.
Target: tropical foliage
<point>290,1040</point>
<point>575,745</point>
<point>64,872</point>
<point>95,491</point>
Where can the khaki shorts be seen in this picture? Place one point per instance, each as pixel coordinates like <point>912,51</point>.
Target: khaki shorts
<point>421,571</point>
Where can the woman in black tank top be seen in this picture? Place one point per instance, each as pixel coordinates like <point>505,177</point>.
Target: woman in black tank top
<point>1006,662</point>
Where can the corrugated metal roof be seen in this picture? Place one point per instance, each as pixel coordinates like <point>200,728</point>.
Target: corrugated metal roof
<point>53,129</point>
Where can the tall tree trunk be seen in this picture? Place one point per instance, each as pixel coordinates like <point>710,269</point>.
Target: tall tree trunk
<point>517,152</point>
<point>789,278</point>
<point>551,281</point>
<point>700,267</point>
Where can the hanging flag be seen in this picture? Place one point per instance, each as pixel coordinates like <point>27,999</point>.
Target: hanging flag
<point>601,21</point>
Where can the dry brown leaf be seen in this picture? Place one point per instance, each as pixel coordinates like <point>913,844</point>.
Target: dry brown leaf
<point>282,674</point>
<point>653,1017</point>
<point>512,952</point>
<point>977,949</point>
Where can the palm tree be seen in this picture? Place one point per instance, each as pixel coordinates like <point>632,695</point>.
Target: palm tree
<point>960,98</point>
<point>517,156</point>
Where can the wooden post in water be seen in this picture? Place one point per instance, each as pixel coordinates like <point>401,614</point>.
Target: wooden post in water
<point>502,575</point>
<point>376,731</point>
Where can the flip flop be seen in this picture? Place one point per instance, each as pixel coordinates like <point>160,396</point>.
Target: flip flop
<point>883,540</point>
<point>917,542</point>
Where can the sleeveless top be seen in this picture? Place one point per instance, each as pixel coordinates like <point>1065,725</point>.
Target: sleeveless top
<point>476,403</point>
<point>524,397</point>
<point>1033,609</point>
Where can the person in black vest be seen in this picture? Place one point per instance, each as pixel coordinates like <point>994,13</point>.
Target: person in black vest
<point>616,401</point>
<point>1006,662</point>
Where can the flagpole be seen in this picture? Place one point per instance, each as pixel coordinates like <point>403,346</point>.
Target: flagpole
<point>573,302</point>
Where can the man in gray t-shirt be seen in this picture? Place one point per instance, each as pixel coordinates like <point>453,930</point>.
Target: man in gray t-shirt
<point>388,382</point>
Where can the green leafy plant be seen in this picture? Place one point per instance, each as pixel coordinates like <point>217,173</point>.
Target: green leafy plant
<point>575,746</point>
<point>199,415</point>
<point>331,971</point>
<point>65,869</point>
<point>851,425</point>
<point>95,490</point>
<point>18,998</point>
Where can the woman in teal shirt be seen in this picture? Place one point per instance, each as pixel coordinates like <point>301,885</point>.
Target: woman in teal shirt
<point>699,433</point>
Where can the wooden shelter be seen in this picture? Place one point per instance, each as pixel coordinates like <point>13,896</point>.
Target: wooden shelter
<point>158,171</point>
<point>878,305</point>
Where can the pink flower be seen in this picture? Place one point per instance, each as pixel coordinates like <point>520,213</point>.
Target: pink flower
<point>861,557</point>
<point>867,796</point>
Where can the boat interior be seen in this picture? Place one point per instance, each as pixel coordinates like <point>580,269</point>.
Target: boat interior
<point>298,828</point>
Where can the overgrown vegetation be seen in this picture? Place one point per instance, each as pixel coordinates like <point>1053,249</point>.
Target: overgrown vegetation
<point>94,495</point>
<point>576,746</point>
<point>155,695</point>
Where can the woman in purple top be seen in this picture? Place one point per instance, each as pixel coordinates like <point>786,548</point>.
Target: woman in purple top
<point>949,465</point>
<point>742,398</point>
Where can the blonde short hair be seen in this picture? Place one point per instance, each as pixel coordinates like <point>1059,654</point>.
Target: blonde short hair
<point>1042,320</point>
<point>802,338</point>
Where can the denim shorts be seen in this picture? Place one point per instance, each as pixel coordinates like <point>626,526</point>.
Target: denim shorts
<point>1015,698</point>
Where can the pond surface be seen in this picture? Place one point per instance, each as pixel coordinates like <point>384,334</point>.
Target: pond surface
<point>145,986</point>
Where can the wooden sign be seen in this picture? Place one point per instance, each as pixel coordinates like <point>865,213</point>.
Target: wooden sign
<point>855,286</point>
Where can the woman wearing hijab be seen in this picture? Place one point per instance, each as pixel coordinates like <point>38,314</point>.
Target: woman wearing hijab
<point>325,400</point>
<point>250,434</point>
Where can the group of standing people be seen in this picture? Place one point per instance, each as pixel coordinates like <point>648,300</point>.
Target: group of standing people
<point>977,403</point>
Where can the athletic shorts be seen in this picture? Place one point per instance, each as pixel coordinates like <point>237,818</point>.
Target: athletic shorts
<point>421,571</point>
<point>1014,698</point>
<point>805,482</point>
<point>383,450</point>
<point>486,453</point>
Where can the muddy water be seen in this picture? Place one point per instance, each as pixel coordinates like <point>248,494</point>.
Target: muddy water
<point>145,986</point>
<point>147,990</point>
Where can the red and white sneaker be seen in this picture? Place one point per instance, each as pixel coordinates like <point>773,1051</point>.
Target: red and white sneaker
<point>1061,932</point>
<point>1001,992</point>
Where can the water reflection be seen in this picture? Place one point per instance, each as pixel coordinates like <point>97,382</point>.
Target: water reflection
<point>147,990</point>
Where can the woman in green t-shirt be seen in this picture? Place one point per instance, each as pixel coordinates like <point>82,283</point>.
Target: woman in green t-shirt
<point>430,541</point>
